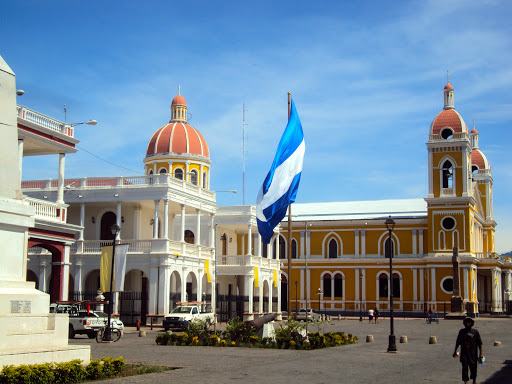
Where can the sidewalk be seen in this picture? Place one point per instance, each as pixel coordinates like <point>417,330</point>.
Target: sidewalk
<point>416,362</point>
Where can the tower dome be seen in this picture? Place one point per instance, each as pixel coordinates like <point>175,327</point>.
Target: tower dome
<point>478,159</point>
<point>179,149</point>
<point>448,122</point>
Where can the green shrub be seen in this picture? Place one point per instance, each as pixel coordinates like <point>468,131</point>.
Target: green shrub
<point>94,370</point>
<point>238,331</point>
<point>119,364</point>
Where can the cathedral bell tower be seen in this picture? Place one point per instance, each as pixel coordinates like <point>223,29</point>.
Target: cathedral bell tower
<point>449,178</point>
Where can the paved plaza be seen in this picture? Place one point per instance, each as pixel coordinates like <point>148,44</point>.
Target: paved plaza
<point>416,362</point>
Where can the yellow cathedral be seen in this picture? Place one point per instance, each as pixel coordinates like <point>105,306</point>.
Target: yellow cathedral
<point>340,251</point>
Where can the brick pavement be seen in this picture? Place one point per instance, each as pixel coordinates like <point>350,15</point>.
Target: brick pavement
<point>416,362</point>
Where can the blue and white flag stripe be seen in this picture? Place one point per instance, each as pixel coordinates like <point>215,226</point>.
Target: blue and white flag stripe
<point>282,182</point>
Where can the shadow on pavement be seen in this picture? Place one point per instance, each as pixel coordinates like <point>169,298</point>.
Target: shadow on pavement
<point>503,376</point>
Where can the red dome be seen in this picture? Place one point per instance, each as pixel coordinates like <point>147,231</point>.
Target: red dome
<point>178,138</point>
<point>474,131</point>
<point>448,118</point>
<point>448,86</point>
<point>478,159</point>
<point>179,100</point>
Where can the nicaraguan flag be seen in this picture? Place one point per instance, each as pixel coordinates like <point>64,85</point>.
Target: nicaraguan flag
<point>282,182</point>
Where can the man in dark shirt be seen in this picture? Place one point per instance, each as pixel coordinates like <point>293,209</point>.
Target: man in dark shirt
<point>469,340</point>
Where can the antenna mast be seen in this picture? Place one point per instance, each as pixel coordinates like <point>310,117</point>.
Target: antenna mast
<point>243,155</point>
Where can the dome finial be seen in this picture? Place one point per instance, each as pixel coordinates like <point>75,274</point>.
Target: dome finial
<point>179,89</point>
<point>448,76</point>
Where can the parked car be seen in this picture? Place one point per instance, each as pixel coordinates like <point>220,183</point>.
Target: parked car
<point>311,315</point>
<point>85,322</point>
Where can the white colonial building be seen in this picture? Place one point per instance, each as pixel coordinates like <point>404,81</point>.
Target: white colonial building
<point>182,246</point>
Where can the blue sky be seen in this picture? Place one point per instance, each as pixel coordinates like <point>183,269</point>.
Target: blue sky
<point>366,77</point>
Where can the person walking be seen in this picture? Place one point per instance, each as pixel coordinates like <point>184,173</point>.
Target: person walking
<point>370,315</point>
<point>376,316</point>
<point>469,341</point>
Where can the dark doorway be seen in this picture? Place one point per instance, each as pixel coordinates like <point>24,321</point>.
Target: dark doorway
<point>107,221</point>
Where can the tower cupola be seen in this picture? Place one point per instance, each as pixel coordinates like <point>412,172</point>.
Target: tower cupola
<point>448,97</point>
<point>178,108</point>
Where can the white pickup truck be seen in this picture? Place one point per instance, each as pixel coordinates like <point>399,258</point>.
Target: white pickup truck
<point>85,322</point>
<point>183,314</point>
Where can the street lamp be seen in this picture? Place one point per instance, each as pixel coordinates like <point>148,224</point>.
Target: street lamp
<point>115,229</point>
<point>361,298</point>
<point>390,225</point>
<point>296,298</point>
<point>90,122</point>
<point>319,293</point>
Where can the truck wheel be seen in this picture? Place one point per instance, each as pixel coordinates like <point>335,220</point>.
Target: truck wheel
<point>71,332</point>
<point>91,335</point>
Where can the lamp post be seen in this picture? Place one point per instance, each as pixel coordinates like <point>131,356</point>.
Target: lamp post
<point>296,297</point>
<point>361,297</point>
<point>319,293</point>
<point>115,231</point>
<point>390,225</point>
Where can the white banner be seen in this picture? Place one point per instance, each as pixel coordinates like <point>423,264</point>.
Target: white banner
<point>120,266</point>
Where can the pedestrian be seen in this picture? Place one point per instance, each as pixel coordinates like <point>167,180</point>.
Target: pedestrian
<point>469,341</point>
<point>370,315</point>
<point>430,316</point>
<point>376,315</point>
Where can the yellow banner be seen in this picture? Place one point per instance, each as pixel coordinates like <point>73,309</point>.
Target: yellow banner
<point>105,267</point>
<point>256,277</point>
<point>207,270</point>
<point>275,278</point>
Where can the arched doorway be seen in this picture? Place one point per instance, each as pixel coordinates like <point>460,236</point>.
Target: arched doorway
<point>133,300</point>
<point>191,287</point>
<point>175,289</point>
<point>56,288</point>
<point>107,221</point>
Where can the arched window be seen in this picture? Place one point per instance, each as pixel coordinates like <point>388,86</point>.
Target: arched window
<point>327,286</point>
<point>383,286</point>
<point>294,249</point>
<point>338,285</point>
<point>189,237</point>
<point>396,285</point>
<point>389,248</point>
<point>163,171</point>
<point>282,248</point>
<point>447,174</point>
<point>178,173</point>
<point>333,249</point>
<point>193,177</point>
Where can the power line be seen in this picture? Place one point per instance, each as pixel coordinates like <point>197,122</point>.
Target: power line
<point>106,161</point>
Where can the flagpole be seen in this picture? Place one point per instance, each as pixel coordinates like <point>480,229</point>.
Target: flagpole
<point>289,286</point>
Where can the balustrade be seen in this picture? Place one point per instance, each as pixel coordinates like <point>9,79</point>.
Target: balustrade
<point>44,121</point>
<point>46,210</point>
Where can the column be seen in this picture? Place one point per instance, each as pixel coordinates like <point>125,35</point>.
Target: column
<point>186,175</point>
<point>430,173</point>
<point>60,183</point>
<point>200,177</point>
<point>212,231</point>
<point>137,221</point>
<point>358,284</point>
<point>118,218</point>
<point>20,156</point>
<point>166,219</point>
<point>465,279</point>
<point>414,289</point>
<point>77,276</point>
<point>164,289</point>
<point>278,237</point>
<point>155,220</point>
<point>257,245</point>
<point>197,237</point>
<point>363,243</point>
<point>508,285</point>
<point>279,297</point>
<point>302,284</point>
<point>465,172</point>
<point>248,291</point>
<point>270,296</point>
<point>422,285</point>
<point>182,228</point>
<point>356,239</point>
<point>64,287</point>
<point>184,284</point>
<point>260,303</point>
<point>363,284</point>
<point>249,239</point>
<point>82,221</point>
<point>420,243</point>
<point>433,286</point>
<point>308,291</point>
<point>42,275</point>
<point>153,287</point>
<point>302,249</point>
<point>414,241</point>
